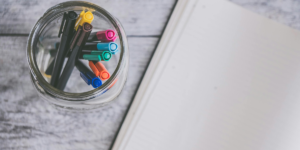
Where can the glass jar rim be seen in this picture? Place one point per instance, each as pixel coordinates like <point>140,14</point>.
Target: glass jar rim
<point>43,85</point>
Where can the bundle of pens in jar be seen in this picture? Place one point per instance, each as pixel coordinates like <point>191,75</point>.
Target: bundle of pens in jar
<point>78,43</point>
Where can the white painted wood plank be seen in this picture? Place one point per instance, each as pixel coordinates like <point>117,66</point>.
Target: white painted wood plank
<point>28,122</point>
<point>25,119</point>
<point>283,11</point>
<point>139,17</point>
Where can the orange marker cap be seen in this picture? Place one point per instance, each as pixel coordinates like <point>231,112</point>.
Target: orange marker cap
<point>94,68</point>
<point>104,74</point>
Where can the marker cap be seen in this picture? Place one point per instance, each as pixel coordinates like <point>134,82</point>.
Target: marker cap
<point>112,47</point>
<point>104,74</point>
<point>95,81</point>
<point>92,57</point>
<point>87,17</point>
<point>87,75</point>
<point>106,36</point>
<point>105,55</point>
<point>91,79</point>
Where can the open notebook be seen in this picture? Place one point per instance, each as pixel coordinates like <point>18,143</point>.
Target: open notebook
<point>222,78</point>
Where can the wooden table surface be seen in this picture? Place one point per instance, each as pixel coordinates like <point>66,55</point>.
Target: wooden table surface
<point>28,122</point>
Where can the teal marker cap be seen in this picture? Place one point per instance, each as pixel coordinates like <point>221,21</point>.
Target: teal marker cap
<point>92,57</point>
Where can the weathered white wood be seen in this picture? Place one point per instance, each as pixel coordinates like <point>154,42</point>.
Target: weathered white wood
<point>28,122</point>
<point>139,17</point>
<point>283,11</point>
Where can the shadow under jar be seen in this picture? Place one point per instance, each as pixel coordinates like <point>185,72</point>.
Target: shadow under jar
<point>77,94</point>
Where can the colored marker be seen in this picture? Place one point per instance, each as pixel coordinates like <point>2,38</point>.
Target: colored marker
<point>92,57</point>
<point>87,75</point>
<point>105,55</point>
<point>67,31</point>
<point>112,47</point>
<point>103,73</point>
<point>79,39</point>
<point>84,17</point>
<point>94,68</point>
<point>103,36</point>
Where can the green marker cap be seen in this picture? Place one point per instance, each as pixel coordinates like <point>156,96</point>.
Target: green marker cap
<point>92,57</point>
<point>106,56</point>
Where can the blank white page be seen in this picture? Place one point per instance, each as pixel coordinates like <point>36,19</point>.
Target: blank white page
<point>231,81</point>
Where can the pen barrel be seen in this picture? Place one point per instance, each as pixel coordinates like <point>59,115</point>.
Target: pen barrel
<point>67,69</point>
<point>104,55</point>
<point>92,57</point>
<point>78,41</point>
<point>90,46</point>
<point>92,37</point>
<point>103,73</point>
<point>94,68</point>
<point>63,47</point>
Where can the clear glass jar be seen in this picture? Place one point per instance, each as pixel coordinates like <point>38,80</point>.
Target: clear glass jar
<point>78,95</point>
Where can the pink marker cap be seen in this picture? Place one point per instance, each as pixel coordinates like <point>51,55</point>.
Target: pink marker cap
<point>106,36</point>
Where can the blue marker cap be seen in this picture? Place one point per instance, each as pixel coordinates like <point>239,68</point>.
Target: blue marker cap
<point>112,46</point>
<point>95,81</point>
<point>87,75</point>
<point>91,79</point>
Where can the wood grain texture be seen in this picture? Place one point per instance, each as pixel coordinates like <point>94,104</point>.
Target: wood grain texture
<point>29,122</point>
<point>283,11</point>
<point>139,17</point>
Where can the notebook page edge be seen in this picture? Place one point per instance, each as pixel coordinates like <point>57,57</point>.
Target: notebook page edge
<point>173,26</point>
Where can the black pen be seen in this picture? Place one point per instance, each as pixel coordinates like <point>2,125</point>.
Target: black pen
<point>76,46</point>
<point>67,31</point>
